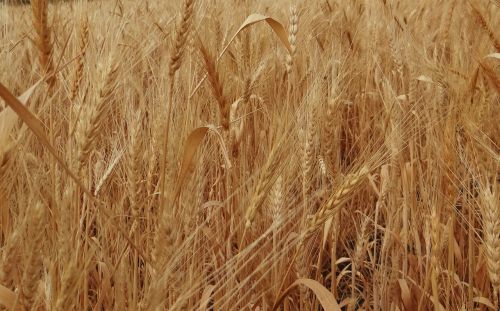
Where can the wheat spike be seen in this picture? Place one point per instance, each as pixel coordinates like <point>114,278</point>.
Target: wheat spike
<point>44,44</point>
<point>5,158</point>
<point>134,167</point>
<point>264,183</point>
<point>216,84</point>
<point>181,37</point>
<point>292,37</point>
<point>174,65</point>
<point>308,154</point>
<point>80,60</point>
<point>276,201</point>
<point>165,239</point>
<point>94,116</point>
<point>69,285</point>
<point>10,257</point>
<point>483,22</point>
<point>336,200</point>
<point>33,268</point>
<point>359,253</point>
<point>491,226</point>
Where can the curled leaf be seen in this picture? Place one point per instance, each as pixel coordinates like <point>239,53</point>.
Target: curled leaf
<point>193,142</point>
<point>276,26</point>
<point>325,297</point>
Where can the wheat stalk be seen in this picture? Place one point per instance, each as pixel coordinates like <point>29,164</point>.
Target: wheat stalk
<point>352,131</point>
<point>174,65</point>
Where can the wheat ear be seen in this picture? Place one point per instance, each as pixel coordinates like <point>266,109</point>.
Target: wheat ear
<point>82,47</point>
<point>359,254</point>
<point>491,227</point>
<point>486,26</point>
<point>33,269</point>
<point>292,38</point>
<point>40,21</point>
<point>134,171</point>
<point>10,257</point>
<point>308,154</point>
<point>215,83</point>
<point>93,119</point>
<point>266,180</point>
<point>5,157</point>
<point>276,201</point>
<point>70,280</point>
<point>336,200</point>
<point>181,37</point>
<point>174,65</point>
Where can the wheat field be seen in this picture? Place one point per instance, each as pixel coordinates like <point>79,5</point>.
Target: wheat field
<point>250,155</point>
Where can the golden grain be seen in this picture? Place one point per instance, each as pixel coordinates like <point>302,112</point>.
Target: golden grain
<point>354,159</point>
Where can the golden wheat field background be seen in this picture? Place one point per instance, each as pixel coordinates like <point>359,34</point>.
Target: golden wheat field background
<point>250,155</point>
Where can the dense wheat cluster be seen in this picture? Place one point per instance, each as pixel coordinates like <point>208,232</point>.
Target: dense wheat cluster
<point>250,155</point>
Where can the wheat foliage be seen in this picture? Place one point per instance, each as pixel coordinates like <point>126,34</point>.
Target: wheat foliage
<point>249,155</point>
